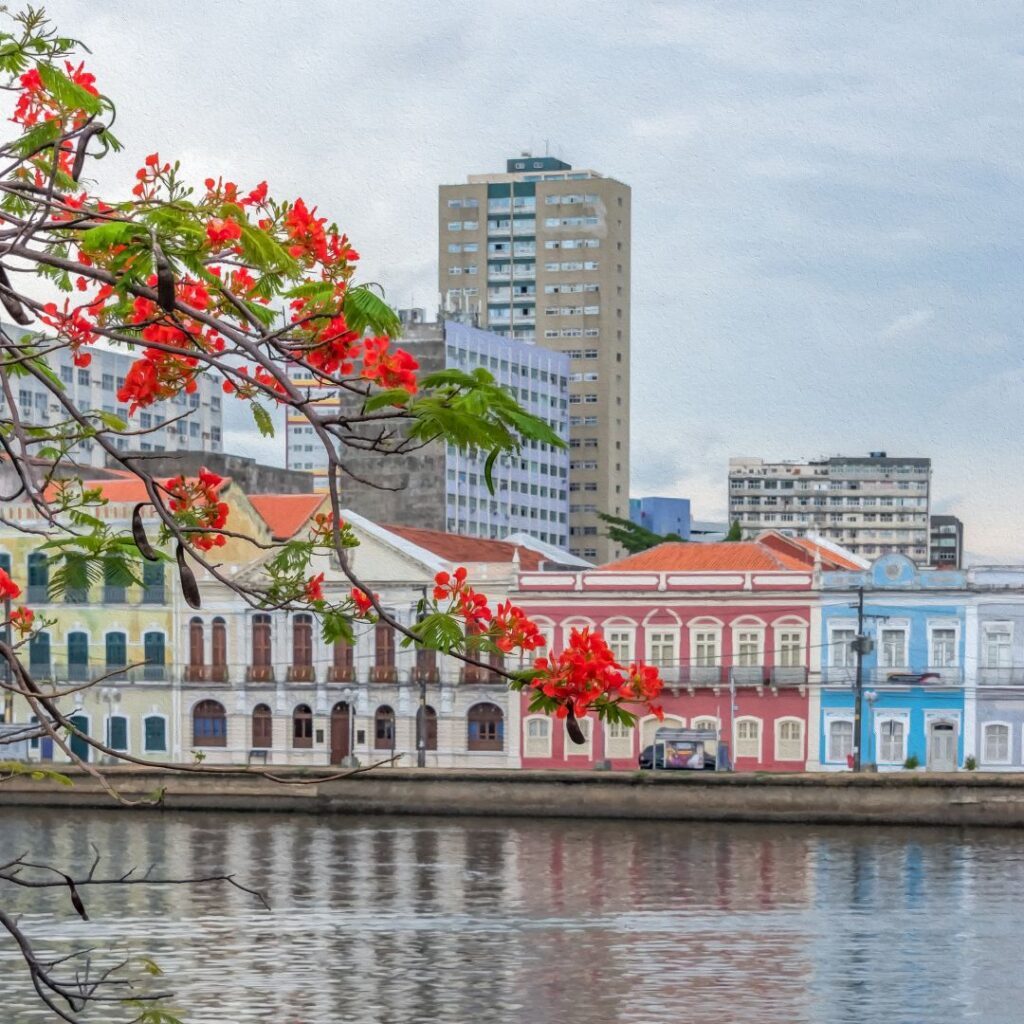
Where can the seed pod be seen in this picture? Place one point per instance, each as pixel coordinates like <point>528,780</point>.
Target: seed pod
<point>11,301</point>
<point>83,144</point>
<point>572,727</point>
<point>76,900</point>
<point>189,587</point>
<point>164,279</point>
<point>139,534</point>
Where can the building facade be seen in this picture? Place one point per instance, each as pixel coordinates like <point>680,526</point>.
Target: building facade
<point>947,542</point>
<point>662,516</point>
<point>870,505</point>
<point>95,386</point>
<point>541,253</point>
<point>439,487</point>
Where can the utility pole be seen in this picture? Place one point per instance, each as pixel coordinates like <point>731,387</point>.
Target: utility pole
<point>858,700</point>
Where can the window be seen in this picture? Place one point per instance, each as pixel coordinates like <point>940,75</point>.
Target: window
<point>662,649</point>
<point>748,649</point>
<point>38,577</point>
<point>790,649</point>
<point>705,649</point>
<point>384,646</point>
<point>894,648</point>
<point>842,654</point>
<point>302,641</point>
<point>39,654</point>
<point>262,727</point>
<point>789,740</point>
<point>943,654</point>
<point>891,735</point>
<point>261,649</point>
<point>209,724</point>
<point>219,644</point>
<point>78,657</point>
<point>840,740</point>
<point>384,728</point>
<point>748,738</point>
<point>485,727</point>
<point>117,732</point>
<point>538,737</point>
<point>995,648</point>
<point>154,733</point>
<point>997,743</point>
<point>196,644</point>
<point>620,641</point>
<point>302,726</point>
<point>117,650</point>
<point>154,654</point>
<point>618,740</point>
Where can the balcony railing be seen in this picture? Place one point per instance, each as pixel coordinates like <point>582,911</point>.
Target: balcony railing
<point>425,675</point>
<point>789,675</point>
<point>475,675</point>
<point>154,673</point>
<point>301,674</point>
<point>259,674</point>
<point>341,674</point>
<point>383,674</point>
<point>749,675</point>
<point>154,595</point>
<point>38,593</point>
<point>113,594</point>
<point>1001,676</point>
<point>895,675</point>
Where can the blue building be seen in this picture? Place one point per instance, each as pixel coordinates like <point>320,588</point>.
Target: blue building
<point>662,515</point>
<point>914,704</point>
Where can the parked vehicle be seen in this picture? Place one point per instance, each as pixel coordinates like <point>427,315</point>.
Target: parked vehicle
<point>680,750</point>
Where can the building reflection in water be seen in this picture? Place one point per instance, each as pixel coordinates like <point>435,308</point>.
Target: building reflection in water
<point>427,920</point>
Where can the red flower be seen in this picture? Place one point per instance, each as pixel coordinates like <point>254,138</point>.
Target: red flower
<point>362,602</point>
<point>22,619</point>
<point>389,369</point>
<point>195,504</point>
<point>314,588</point>
<point>8,588</point>
<point>218,230</point>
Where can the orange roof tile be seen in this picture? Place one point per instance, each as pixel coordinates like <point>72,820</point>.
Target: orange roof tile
<point>453,547</point>
<point>286,514</point>
<point>739,556</point>
<point>130,489</point>
<point>827,554</point>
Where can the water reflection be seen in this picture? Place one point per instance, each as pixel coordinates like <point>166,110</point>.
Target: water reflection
<point>424,920</point>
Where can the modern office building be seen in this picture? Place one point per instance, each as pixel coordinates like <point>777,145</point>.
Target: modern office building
<point>541,253</point>
<point>95,387</point>
<point>662,515</point>
<point>439,487</point>
<point>947,542</point>
<point>872,505</point>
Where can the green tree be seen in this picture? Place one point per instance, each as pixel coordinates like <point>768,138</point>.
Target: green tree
<point>631,536</point>
<point>735,531</point>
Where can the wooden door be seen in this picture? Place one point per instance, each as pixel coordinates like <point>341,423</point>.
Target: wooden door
<point>339,733</point>
<point>942,749</point>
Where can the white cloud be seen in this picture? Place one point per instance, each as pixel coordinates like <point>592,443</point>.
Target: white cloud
<point>906,324</point>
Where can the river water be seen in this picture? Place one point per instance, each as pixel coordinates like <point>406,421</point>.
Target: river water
<point>417,920</point>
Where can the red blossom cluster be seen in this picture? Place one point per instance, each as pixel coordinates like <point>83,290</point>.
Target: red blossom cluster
<point>586,671</point>
<point>8,588</point>
<point>22,620</point>
<point>362,601</point>
<point>220,230</point>
<point>77,324</point>
<point>37,104</point>
<point>195,502</point>
<point>147,177</point>
<point>314,589</point>
<point>395,369</point>
<point>246,385</point>
<point>462,598</point>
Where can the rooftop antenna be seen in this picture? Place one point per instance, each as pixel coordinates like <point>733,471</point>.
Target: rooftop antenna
<point>546,153</point>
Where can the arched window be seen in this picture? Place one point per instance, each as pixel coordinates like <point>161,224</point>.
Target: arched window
<point>384,728</point>
<point>219,651</point>
<point>429,727</point>
<point>117,651</point>
<point>302,647</point>
<point>996,749</point>
<point>840,740</point>
<point>261,666</point>
<point>262,727</point>
<point>78,657</point>
<point>789,739</point>
<point>155,655</point>
<point>38,578</point>
<point>384,653</point>
<point>155,734</point>
<point>196,643</point>
<point>891,741</point>
<point>748,738</point>
<point>302,726</point>
<point>343,662</point>
<point>538,736</point>
<point>209,724</point>
<point>117,732</point>
<point>39,654</point>
<point>486,727</point>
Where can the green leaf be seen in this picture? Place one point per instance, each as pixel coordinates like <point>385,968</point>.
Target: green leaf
<point>365,310</point>
<point>392,396</point>
<point>66,92</point>
<point>116,232</point>
<point>263,420</point>
<point>39,137</point>
<point>265,251</point>
<point>112,421</point>
<point>489,469</point>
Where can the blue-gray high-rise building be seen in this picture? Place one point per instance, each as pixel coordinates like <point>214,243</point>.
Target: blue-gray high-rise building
<point>662,515</point>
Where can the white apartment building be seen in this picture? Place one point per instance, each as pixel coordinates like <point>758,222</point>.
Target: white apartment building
<point>872,504</point>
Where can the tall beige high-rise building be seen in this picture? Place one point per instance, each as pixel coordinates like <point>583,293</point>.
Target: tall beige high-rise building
<point>541,252</point>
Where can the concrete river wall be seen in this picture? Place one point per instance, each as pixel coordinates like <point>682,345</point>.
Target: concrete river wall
<point>960,799</point>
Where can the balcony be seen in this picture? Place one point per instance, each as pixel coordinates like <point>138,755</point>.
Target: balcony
<point>154,595</point>
<point>341,674</point>
<point>788,676</point>
<point>424,675</point>
<point>749,675</point>
<point>259,674</point>
<point>154,673</point>
<point>301,674</point>
<point>1001,676</point>
<point>195,673</point>
<point>477,675</point>
<point>38,593</point>
<point>383,674</point>
<point>702,675</point>
<point>113,594</point>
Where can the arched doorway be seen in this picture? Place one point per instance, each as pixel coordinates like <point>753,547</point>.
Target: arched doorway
<point>341,724</point>
<point>942,744</point>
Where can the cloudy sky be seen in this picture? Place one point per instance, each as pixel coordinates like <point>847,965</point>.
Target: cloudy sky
<point>827,202</point>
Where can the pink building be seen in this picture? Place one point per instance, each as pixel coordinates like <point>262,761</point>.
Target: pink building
<point>729,627</point>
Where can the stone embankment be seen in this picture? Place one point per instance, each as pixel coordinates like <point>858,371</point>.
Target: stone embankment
<point>962,799</point>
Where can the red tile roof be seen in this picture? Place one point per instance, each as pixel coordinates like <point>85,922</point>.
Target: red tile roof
<point>460,550</point>
<point>286,514</point>
<point>128,489</point>
<point>739,556</point>
<point>828,555</point>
